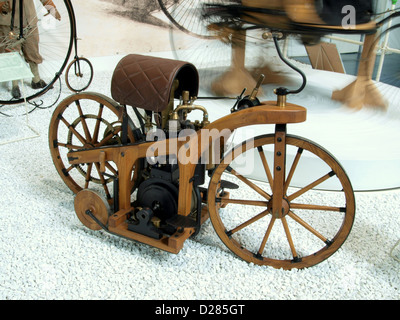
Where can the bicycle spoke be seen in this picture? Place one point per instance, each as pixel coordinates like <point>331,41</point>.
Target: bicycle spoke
<point>70,146</point>
<point>243,202</point>
<point>289,238</point>
<point>311,185</point>
<point>249,183</point>
<point>307,226</point>
<point>97,126</point>
<point>247,223</point>
<point>73,130</point>
<point>316,207</point>
<point>67,170</point>
<point>111,168</point>
<point>265,164</point>
<point>108,137</point>
<point>292,170</point>
<point>103,182</point>
<point>266,236</point>
<point>89,171</point>
<point>84,124</point>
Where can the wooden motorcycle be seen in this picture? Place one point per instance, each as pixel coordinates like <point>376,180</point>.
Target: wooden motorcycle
<point>150,174</point>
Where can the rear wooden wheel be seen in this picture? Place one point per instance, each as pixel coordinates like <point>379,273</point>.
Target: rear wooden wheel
<point>85,121</point>
<point>313,222</point>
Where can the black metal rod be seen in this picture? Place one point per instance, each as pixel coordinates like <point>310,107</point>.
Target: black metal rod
<point>21,17</point>
<point>278,49</point>
<point>13,15</point>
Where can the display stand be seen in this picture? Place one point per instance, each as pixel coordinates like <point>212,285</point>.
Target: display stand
<point>13,67</point>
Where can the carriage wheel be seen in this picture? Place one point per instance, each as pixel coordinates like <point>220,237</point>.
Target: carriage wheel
<point>313,223</point>
<point>84,121</point>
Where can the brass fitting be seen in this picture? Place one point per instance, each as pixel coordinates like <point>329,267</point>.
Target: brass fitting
<point>187,105</point>
<point>281,101</point>
<point>281,96</point>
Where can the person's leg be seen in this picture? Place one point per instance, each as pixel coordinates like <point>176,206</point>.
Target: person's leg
<point>37,82</point>
<point>15,91</point>
<point>4,31</point>
<point>33,57</point>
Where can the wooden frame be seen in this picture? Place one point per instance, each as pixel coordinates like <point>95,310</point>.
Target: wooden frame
<point>126,156</point>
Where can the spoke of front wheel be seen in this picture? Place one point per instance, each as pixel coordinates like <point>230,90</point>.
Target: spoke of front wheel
<point>248,222</point>
<point>315,207</point>
<point>307,226</point>
<point>249,183</point>
<point>265,164</point>
<point>242,202</point>
<point>311,185</point>
<point>289,237</point>
<point>292,170</point>
<point>266,236</point>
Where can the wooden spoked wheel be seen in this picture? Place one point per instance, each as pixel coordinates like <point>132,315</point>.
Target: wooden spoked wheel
<point>84,121</point>
<point>312,223</point>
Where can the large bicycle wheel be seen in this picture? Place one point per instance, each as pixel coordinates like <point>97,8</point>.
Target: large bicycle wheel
<point>54,30</point>
<point>313,222</point>
<point>187,16</point>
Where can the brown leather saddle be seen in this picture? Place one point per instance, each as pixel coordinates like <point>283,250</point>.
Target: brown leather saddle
<point>146,82</point>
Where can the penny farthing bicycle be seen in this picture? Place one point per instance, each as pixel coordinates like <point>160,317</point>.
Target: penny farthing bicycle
<point>53,23</point>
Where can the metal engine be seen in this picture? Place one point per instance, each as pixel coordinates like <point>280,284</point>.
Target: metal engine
<point>157,194</point>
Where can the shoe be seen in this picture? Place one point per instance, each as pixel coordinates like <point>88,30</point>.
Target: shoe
<point>38,85</point>
<point>16,93</point>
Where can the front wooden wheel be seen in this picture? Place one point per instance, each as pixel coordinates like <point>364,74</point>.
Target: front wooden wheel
<point>84,121</point>
<point>313,222</point>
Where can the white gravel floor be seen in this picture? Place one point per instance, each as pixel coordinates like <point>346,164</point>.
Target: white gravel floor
<point>46,253</point>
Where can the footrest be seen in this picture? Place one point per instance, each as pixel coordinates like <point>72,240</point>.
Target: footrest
<point>179,221</point>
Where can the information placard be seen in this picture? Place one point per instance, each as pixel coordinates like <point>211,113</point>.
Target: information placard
<point>13,67</point>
